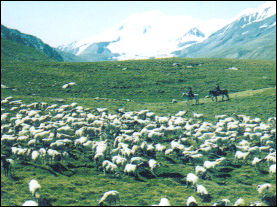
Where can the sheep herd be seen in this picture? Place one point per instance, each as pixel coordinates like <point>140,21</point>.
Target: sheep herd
<point>130,143</point>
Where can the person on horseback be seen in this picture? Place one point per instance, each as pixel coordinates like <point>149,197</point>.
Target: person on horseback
<point>217,88</point>
<point>190,93</point>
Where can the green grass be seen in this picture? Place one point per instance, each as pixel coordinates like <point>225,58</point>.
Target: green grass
<point>12,51</point>
<point>149,84</point>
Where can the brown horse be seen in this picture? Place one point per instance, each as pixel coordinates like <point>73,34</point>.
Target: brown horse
<point>215,93</point>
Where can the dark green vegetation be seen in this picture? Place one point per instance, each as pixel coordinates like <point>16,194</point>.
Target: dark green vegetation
<point>150,84</point>
<point>13,50</point>
<point>84,186</point>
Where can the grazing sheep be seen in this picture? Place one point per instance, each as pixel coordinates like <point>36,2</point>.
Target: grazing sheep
<point>191,201</point>
<point>153,164</point>
<point>223,202</point>
<point>68,85</point>
<point>164,202</point>
<point>131,169</point>
<point>34,186</point>
<point>30,203</point>
<point>198,116</point>
<point>241,155</point>
<point>240,202</point>
<point>272,169</point>
<point>201,190</point>
<point>109,167</point>
<point>264,188</point>
<point>257,203</point>
<point>35,155</point>
<point>191,179</point>
<point>110,197</point>
<point>40,202</point>
<point>199,170</point>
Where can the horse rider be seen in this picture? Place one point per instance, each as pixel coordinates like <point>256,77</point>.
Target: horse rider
<point>190,93</point>
<point>217,88</point>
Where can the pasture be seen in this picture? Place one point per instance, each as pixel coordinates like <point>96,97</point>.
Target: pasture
<point>136,86</point>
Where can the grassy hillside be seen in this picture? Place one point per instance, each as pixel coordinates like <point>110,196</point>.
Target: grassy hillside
<point>15,52</point>
<point>137,85</point>
<point>144,82</point>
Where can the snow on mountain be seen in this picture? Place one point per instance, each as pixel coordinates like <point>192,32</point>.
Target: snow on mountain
<point>146,35</point>
<point>251,34</point>
<point>257,14</point>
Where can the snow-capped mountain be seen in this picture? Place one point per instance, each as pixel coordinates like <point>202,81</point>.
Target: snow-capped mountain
<point>251,34</point>
<point>144,35</point>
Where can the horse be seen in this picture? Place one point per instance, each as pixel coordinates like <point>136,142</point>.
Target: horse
<point>215,93</point>
<point>195,97</point>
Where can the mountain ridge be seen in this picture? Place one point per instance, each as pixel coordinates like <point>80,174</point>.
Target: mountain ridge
<point>30,41</point>
<point>257,40</point>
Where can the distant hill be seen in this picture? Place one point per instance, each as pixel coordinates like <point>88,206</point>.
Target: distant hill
<point>251,36</point>
<point>69,57</point>
<point>15,40</point>
<point>13,52</point>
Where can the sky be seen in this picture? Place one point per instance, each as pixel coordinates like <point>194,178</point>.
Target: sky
<point>62,22</point>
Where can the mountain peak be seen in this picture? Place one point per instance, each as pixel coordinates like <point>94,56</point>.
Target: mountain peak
<point>258,14</point>
<point>196,32</point>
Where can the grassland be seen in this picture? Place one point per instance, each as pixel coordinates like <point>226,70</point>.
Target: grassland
<point>12,51</point>
<point>136,85</point>
<point>150,84</point>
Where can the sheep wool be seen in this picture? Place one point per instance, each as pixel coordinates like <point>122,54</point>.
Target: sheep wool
<point>110,197</point>
<point>34,186</point>
<point>191,201</point>
<point>164,202</point>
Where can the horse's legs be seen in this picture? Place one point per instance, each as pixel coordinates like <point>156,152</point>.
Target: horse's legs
<point>228,98</point>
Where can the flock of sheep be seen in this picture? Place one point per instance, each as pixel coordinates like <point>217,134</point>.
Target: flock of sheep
<point>130,142</point>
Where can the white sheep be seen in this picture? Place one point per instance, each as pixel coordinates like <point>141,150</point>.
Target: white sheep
<point>110,197</point>
<point>210,164</point>
<point>191,201</point>
<point>164,202</point>
<point>240,202</point>
<point>272,169</point>
<point>223,202</point>
<point>34,186</point>
<point>119,160</point>
<point>30,203</point>
<point>35,155</point>
<point>257,203</point>
<point>68,85</point>
<point>199,170</point>
<point>191,179</point>
<point>198,116</point>
<point>264,188</point>
<point>109,167</point>
<point>201,190</point>
<point>241,155</point>
<point>152,164</point>
<point>131,169</point>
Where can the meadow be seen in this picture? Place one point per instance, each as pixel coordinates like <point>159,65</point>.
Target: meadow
<point>139,85</point>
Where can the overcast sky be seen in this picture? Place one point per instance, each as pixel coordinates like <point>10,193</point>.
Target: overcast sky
<point>62,22</point>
